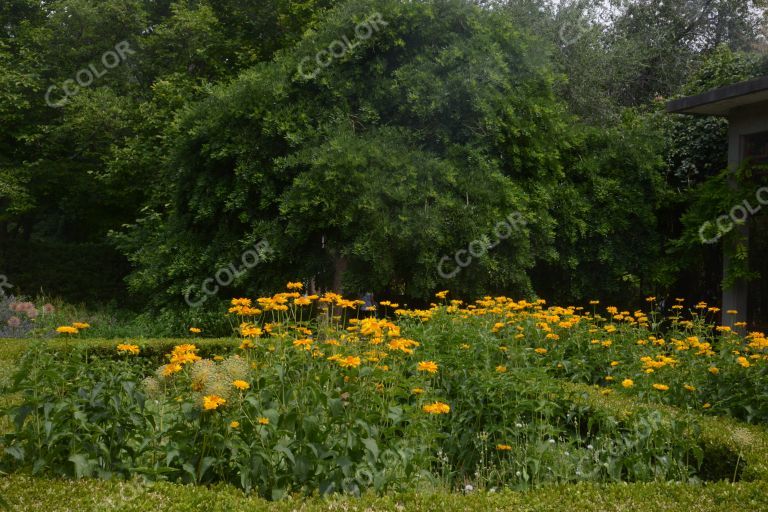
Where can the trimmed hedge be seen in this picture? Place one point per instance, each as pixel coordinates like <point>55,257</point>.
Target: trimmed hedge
<point>726,442</point>
<point>11,350</point>
<point>27,493</point>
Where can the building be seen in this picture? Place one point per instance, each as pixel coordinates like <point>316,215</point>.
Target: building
<point>745,105</point>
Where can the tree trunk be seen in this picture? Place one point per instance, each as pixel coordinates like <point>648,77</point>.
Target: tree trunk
<point>340,266</point>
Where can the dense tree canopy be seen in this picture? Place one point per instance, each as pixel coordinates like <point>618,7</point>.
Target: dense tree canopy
<point>365,156</point>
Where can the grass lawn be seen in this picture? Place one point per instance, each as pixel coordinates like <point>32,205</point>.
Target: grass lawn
<point>26,493</point>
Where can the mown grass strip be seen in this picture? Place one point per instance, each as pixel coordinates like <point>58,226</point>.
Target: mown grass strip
<point>27,493</point>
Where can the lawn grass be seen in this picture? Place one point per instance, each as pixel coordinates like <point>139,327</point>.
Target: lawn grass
<point>721,437</point>
<point>27,493</point>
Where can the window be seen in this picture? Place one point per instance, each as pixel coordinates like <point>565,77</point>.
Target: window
<point>756,148</point>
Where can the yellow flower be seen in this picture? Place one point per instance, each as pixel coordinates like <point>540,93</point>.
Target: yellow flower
<point>609,378</point>
<point>304,343</point>
<point>349,362</point>
<point>661,387</point>
<point>67,329</point>
<point>263,421</point>
<point>404,345</point>
<point>128,349</point>
<point>249,330</point>
<point>688,387</point>
<point>615,363</point>
<point>212,402</point>
<point>743,362</point>
<point>195,330</point>
<point>441,295</point>
<point>427,366</point>
<point>302,301</point>
<point>594,302</point>
<point>714,370</point>
<point>627,383</point>
<point>184,354</point>
<point>234,424</point>
<point>437,408</point>
<point>241,385</point>
<point>540,350</point>
<point>80,325</point>
<point>417,391</point>
<point>171,368</point>
<point>464,346</point>
<point>501,369</point>
<point>706,405</point>
<point>294,286</point>
<point>503,447</point>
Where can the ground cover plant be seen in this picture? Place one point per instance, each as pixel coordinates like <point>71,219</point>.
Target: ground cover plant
<point>317,394</point>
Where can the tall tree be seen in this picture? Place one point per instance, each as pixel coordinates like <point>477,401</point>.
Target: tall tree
<point>418,139</point>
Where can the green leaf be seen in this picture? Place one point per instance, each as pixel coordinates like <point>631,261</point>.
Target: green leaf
<point>372,447</point>
<point>82,465</point>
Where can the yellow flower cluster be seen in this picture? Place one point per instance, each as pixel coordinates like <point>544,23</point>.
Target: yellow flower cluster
<point>180,356</point>
<point>212,402</point>
<point>403,345</point>
<point>346,361</point>
<point>650,365</point>
<point>124,348</point>
<point>437,408</point>
<point>75,328</point>
<point>427,366</point>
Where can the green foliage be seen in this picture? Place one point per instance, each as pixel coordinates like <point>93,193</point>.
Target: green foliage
<point>696,157</point>
<point>394,150</point>
<point>710,202</point>
<point>68,175</point>
<point>615,194</point>
<point>412,144</point>
<point>304,423</point>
